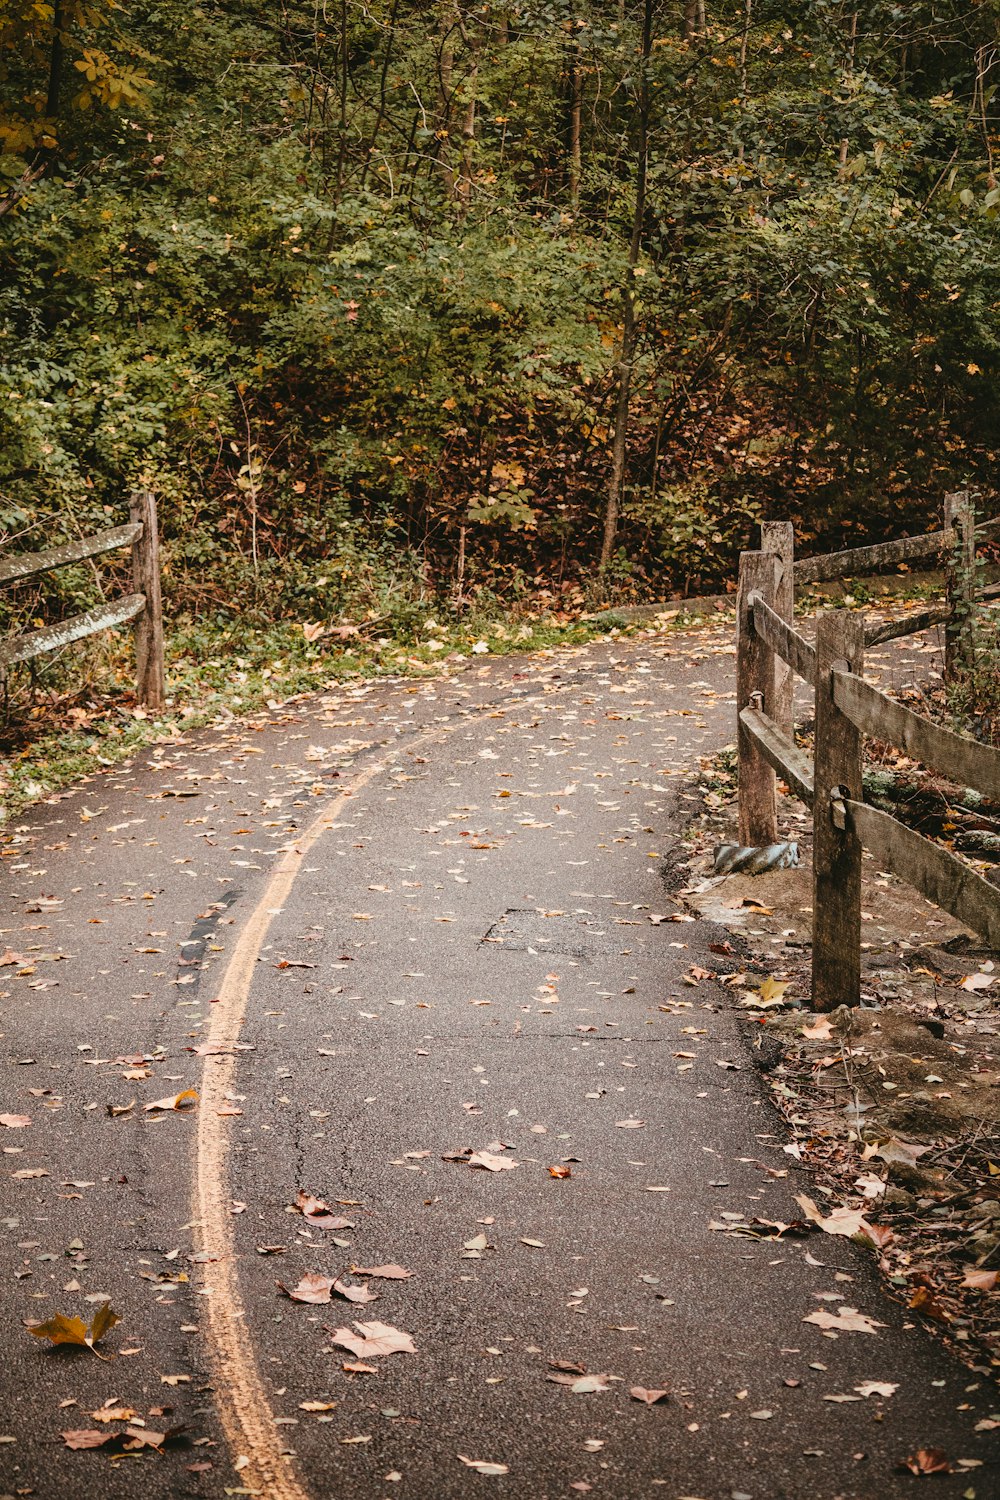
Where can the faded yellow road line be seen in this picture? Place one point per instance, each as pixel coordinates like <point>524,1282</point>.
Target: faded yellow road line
<point>241,1401</point>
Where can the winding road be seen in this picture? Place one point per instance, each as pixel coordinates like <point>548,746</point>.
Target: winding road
<point>379,931</point>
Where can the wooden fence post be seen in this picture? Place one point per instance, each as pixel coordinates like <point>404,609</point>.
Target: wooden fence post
<point>149,681</point>
<point>779,537</point>
<point>836,946</point>
<point>960,582</point>
<point>754,689</point>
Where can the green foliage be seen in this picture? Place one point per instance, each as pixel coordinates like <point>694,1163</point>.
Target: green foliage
<point>350,301</point>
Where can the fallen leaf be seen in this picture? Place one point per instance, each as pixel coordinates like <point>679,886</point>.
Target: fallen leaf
<point>581,1385</point>
<point>926,1461</point>
<point>491,1163</point>
<point>639,1393</point>
<point>924,1301</point>
<point>319,1213</point>
<point>980,1281</point>
<point>876,1388</point>
<point>373,1339</point>
<point>558,1171</point>
<point>847,1320</point>
<point>175,1101</point>
<point>820,1031</point>
<point>388,1273</point>
<point>317,1405</point>
<point>312,1288</point>
<point>144,1437</point>
<point>842,1221</point>
<point>630,1125</point>
<point>113,1414</point>
<point>15,1122</point>
<point>86,1438</point>
<point>353,1293</point>
<point>772,991</point>
<point>483,1465</point>
<point>900,1152</point>
<point>976,982</point>
<point>62,1330</point>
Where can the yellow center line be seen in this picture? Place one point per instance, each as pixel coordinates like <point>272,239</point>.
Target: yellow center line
<point>244,1410</point>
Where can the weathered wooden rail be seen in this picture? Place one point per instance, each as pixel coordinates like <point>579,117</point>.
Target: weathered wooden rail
<point>769,651</point>
<point>143,605</point>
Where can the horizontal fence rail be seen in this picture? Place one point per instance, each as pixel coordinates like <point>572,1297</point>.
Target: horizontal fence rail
<point>53,637</point>
<point>780,636</point>
<point>968,762</point>
<point>143,605</point>
<point>792,764</point>
<point>26,564</point>
<point>847,707</point>
<point>830,565</point>
<point>931,870</point>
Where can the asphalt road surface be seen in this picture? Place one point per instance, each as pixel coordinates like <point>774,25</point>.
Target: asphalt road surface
<point>374,930</point>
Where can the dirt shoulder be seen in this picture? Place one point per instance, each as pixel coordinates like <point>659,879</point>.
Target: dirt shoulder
<point>895,1105</point>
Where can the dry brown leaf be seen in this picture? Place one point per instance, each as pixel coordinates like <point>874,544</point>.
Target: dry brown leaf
<point>175,1101</point>
<point>981,1281</point>
<point>560,1171</point>
<point>86,1438</point>
<point>484,1466</point>
<point>847,1320</point>
<point>15,1122</point>
<point>926,1461</point>
<point>373,1339</point>
<point>312,1288</point>
<point>490,1162</point>
<point>639,1393</point>
<point>62,1330</point>
<point>388,1273</point>
<point>319,1212</point>
<point>353,1293</point>
<point>581,1385</point>
<point>977,981</point>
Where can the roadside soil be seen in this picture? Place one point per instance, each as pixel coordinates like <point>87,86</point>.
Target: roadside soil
<point>895,1105</point>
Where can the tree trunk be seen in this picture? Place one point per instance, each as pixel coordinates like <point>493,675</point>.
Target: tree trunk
<point>55,63</point>
<point>616,483</point>
<point>575,119</point>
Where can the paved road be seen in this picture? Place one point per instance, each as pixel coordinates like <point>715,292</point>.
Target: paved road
<point>380,927</point>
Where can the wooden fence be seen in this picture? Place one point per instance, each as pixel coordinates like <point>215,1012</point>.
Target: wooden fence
<point>143,605</point>
<point>770,653</point>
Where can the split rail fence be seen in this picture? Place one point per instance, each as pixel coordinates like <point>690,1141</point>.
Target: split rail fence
<point>770,653</point>
<point>143,605</point>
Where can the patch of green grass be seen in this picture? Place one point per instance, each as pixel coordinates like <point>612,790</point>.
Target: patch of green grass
<point>220,669</point>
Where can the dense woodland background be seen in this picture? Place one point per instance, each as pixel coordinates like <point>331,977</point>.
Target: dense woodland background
<point>531,300</point>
